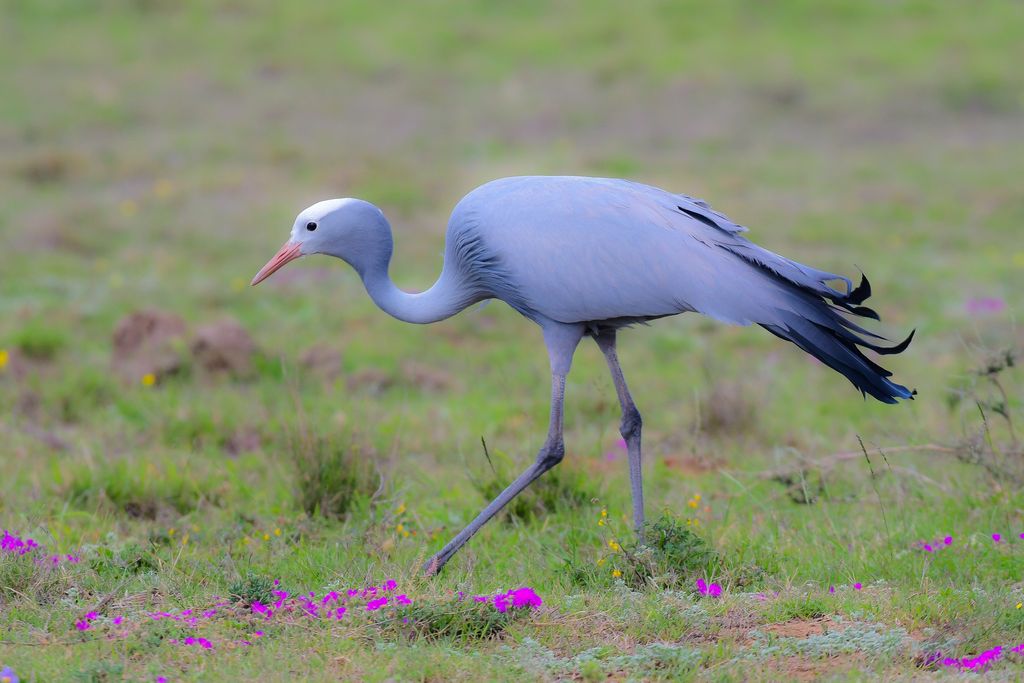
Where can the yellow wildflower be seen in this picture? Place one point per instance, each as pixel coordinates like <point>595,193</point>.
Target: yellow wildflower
<point>604,512</point>
<point>184,539</point>
<point>266,537</point>
<point>614,545</point>
<point>1020,604</point>
<point>171,532</point>
<point>600,561</point>
<point>616,573</point>
<point>600,522</point>
<point>128,208</point>
<point>4,356</point>
<point>277,532</point>
<point>246,540</point>
<point>692,503</point>
<point>149,379</point>
<point>163,188</point>
<point>400,528</point>
<point>400,509</point>
<point>405,534</point>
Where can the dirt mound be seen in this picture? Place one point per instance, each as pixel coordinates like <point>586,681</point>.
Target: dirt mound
<point>426,377</point>
<point>322,360</point>
<point>148,342</point>
<point>223,346</point>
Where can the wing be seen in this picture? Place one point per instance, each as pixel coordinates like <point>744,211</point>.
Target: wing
<point>585,249</point>
<point>597,250</point>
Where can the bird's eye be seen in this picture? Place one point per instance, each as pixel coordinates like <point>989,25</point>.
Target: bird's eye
<point>311,226</point>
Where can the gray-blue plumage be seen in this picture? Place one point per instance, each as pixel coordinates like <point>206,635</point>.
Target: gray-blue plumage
<point>611,252</point>
<point>587,256</point>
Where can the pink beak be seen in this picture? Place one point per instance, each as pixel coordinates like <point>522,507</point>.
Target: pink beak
<point>289,252</point>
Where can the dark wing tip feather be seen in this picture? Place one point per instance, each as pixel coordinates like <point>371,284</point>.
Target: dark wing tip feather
<point>861,292</point>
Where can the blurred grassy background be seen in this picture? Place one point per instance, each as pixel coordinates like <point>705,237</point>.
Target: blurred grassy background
<point>156,152</point>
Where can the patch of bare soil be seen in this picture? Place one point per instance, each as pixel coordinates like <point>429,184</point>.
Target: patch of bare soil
<point>322,360</point>
<point>243,440</point>
<point>803,628</point>
<point>224,346</point>
<point>425,377</point>
<point>146,342</point>
<point>688,463</point>
<point>371,380</point>
<point>797,668</point>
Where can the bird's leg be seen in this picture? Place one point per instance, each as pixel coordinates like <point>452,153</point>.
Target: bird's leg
<point>630,427</point>
<point>561,341</point>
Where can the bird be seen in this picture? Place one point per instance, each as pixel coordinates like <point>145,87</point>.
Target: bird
<point>587,257</point>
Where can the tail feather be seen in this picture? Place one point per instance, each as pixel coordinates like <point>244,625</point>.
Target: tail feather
<point>823,331</point>
<point>806,310</point>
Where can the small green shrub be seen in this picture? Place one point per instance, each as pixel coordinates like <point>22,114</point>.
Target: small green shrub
<point>332,479</point>
<point>456,620</point>
<point>563,488</point>
<point>39,340</point>
<point>138,488</point>
<point>671,554</point>
<point>100,672</point>
<point>252,588</point>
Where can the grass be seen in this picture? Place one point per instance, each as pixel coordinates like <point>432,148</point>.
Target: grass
<point>155,154</point>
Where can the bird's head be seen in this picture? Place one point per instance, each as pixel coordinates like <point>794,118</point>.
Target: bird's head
<point>350,229</point>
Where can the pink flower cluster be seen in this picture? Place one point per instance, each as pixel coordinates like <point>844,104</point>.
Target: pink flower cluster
<point>704,588</point>
<point>982,661</point>
<point>333,605</point>
<point>13,544</point>
<point>931,547</point>
<point>947,541</point>
<point>517,598</point>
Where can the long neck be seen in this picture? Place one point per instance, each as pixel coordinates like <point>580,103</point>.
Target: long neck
<point>445,298</point>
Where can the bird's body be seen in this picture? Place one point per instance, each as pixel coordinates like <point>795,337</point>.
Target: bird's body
<point>596,250</point>
<point>586,256</point>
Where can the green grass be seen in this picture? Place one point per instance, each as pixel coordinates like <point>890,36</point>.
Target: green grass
<point>155,154</point>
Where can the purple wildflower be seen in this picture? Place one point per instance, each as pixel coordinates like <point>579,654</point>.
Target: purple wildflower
<point>525,597</point>
<point>403,599</point>
<point>374,605</point>
<point>832,590</point>
<point>985,304</point>
<point>117,620</point>
<point>857,586</point>
<point>390,585</point>
<point>997,538</point>
<point>339,613</point>
<point>7,675</point>
<point>82,625</point>
<point>948,540</point>
<point>713,590</point>
<point>980,662</point>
